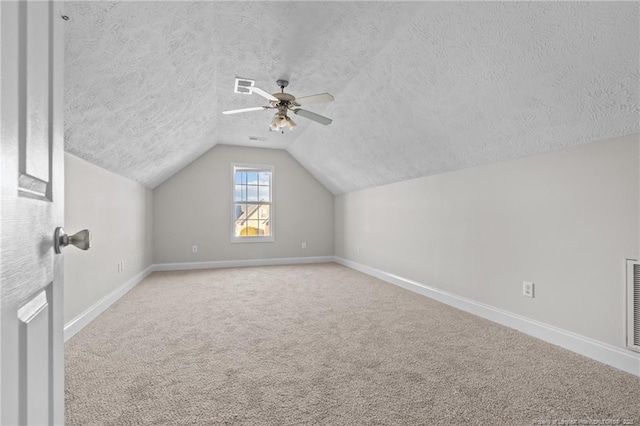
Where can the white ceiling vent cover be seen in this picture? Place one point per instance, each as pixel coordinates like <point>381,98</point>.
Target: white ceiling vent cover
<point>242,85</point>
<point>633,305</point>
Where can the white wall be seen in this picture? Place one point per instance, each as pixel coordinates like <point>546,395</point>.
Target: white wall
<point>194,208</point>
<point>118,213</point>
<point>566,220</point>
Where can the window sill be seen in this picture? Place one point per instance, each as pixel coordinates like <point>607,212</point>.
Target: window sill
<point>252,240</point>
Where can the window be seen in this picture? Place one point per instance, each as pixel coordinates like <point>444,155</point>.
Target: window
<point>252,203</point>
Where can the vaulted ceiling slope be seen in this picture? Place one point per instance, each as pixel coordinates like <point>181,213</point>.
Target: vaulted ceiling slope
<point>420,87</point>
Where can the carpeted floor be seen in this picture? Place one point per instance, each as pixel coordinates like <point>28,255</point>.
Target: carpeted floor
<point>322,344</point>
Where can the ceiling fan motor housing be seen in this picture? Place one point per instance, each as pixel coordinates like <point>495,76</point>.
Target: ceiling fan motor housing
<point>284,97</point>
<point>285,100</point>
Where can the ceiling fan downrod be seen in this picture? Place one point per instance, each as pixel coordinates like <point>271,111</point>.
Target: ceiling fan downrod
<point>282,84</point>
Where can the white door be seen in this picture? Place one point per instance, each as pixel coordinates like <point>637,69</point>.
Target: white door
<point>31,207</point>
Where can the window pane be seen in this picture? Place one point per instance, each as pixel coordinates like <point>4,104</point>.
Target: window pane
<point>264,219</point>
<point>240,219</point>
<point>249,211</point>
<point>238,193</point>
<point>240,229</point>
<point>239,210</point>
<point>240,177</point>
<point>252,178</point>
<point>263,212</point>
<point>253,229</point>
<point>264,178</point>
<point>263,193</point>
<point>252,193</point>
<point>253,211</point>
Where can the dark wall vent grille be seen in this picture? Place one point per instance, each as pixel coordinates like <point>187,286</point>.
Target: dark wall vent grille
<point>633,305</point>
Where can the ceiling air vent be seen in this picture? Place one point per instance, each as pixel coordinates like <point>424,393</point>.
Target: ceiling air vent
<point>633,305</point>
<point>257,138</point>
<point>243,85</point>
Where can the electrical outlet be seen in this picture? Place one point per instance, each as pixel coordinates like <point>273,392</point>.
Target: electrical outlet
<point>194,249</point>
<point>304,245</point>
<point>528,289</point>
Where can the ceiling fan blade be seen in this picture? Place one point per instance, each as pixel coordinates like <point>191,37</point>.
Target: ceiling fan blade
<point>235,111</point>
<point>315,99</point>
<point>312,116</point>
<point>262,93</point>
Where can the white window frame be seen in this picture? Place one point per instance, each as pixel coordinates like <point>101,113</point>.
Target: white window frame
<point>255,239</point>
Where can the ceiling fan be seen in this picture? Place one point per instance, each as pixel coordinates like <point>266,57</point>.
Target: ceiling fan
<point>285,102</point>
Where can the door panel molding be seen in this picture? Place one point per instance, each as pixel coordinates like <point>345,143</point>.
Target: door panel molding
<point>34,363</point>
<point>34,99</point>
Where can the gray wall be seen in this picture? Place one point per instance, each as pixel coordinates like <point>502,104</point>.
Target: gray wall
<point>118,213</point>
<point>194,208</point>
<point>565,220</point>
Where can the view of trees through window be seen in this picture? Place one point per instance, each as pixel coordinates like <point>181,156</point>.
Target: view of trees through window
<point>252,202</point>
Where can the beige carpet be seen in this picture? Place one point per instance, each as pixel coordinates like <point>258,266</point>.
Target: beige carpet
<point>321,344</point>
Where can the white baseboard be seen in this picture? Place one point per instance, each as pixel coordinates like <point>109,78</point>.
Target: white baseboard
<point>82,320</point>
<point>622,359</point>
<point>240,263</point>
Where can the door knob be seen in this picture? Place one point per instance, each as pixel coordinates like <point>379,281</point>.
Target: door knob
<point>81,239</point>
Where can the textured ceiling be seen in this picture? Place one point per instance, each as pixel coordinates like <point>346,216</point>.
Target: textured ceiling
<point>420,87</point>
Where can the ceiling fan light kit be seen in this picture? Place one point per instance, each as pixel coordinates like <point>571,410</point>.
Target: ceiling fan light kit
<point>281,121</point>
<point>284,102</point>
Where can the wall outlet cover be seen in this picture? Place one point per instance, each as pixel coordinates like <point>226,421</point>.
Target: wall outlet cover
<point>528,289</point>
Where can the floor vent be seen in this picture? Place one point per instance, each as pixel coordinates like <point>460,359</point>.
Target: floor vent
<point>633,305</point>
